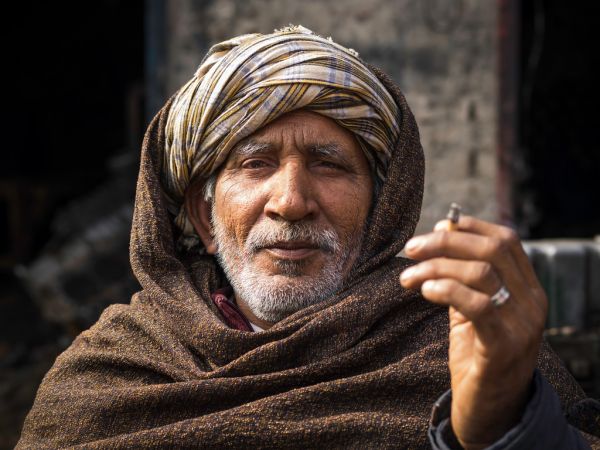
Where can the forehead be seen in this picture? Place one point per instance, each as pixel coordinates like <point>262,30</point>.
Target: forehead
<point>304,129</point>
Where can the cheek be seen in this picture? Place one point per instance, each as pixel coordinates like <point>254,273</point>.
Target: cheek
<point>347,206</point>
<point>237,207</point>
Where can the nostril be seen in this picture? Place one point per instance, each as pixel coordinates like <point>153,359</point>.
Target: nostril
<point>291,206</point>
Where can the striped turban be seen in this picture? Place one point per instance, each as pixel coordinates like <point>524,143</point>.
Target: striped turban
<point>246,82</point>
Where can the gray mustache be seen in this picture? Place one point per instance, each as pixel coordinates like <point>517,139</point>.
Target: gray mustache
<point>266,236</point>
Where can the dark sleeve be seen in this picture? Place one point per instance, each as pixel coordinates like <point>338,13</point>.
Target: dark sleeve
<point>543,425</point>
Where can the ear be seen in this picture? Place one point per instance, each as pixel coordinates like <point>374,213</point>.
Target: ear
<point>199,214</point>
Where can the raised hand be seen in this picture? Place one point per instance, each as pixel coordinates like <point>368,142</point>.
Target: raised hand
<point>493,348</point>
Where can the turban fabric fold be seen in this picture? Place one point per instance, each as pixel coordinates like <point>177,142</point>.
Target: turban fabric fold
<point>246,82</point>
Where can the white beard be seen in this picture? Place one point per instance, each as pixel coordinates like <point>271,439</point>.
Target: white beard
<point>274,297</point>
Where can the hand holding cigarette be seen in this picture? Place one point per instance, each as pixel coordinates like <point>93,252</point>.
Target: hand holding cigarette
<point>497,311</point>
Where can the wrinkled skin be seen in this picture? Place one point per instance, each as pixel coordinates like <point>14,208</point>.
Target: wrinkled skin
<point>311,171</point>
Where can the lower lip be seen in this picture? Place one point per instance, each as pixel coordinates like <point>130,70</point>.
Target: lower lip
<point>291,253</point>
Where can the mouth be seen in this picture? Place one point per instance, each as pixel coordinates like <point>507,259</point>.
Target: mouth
<point>295,250</point>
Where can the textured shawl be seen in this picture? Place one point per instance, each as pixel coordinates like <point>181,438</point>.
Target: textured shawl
<point>359,370</point>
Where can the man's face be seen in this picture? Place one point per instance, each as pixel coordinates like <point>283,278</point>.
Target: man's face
<point>289,213</point>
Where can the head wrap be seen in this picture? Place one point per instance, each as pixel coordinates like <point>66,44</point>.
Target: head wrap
<point>248,81</point>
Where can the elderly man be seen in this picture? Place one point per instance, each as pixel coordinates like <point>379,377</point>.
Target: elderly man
<point>276,189</point>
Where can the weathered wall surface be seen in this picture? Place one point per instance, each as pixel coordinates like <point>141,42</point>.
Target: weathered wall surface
<point>441,52</point>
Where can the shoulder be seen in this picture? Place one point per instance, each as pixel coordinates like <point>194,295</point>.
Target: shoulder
<point>128,344</point>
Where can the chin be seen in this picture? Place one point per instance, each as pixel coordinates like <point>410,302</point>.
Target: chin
<point>274,297</point>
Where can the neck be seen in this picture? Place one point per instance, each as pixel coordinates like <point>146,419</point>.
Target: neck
<point>245,309</point>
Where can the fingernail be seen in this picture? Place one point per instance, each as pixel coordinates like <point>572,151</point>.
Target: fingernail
<point>429,285</point>
<point>414,243</point>
<point>411,271</point>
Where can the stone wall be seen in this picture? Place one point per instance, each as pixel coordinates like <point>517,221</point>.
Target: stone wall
<point>441,52</point>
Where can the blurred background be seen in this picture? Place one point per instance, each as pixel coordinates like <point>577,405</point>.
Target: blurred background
<point>502,92</point>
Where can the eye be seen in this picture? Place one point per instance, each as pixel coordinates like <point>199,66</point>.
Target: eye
<point>254,164</point>
<point>330,165</point>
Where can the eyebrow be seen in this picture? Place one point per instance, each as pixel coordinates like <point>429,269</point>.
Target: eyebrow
<point>330,150</point>
<point>252,148</point>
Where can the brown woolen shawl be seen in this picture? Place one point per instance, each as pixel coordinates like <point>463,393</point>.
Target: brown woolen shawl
<point>359,370</point>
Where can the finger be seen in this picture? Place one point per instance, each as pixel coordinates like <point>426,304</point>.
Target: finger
<point>490,323</point>
<point>510,240</point>
<point>462,245</point>
<point>493,325</point>
<point>479,275</point>
<point>470,246</point>
<point>509,236</point>
<point>451,244</point>
<point>472,304</point>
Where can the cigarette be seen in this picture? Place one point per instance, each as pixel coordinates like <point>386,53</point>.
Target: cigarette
<point>453,216</point>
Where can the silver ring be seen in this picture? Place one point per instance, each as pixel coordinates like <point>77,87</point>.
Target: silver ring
<point>500,297</point>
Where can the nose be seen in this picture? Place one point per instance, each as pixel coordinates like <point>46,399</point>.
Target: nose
<point>291,195</point>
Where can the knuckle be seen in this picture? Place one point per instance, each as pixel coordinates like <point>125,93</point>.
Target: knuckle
<point>481,305</point>
<point>443,238</point>
<point>448,287</point>
<point>467,221</point>
<point>509,235</point>
<point>453,287</point>
<point>496,247</point>
<point>484,270</point>
<point>427,269</point>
